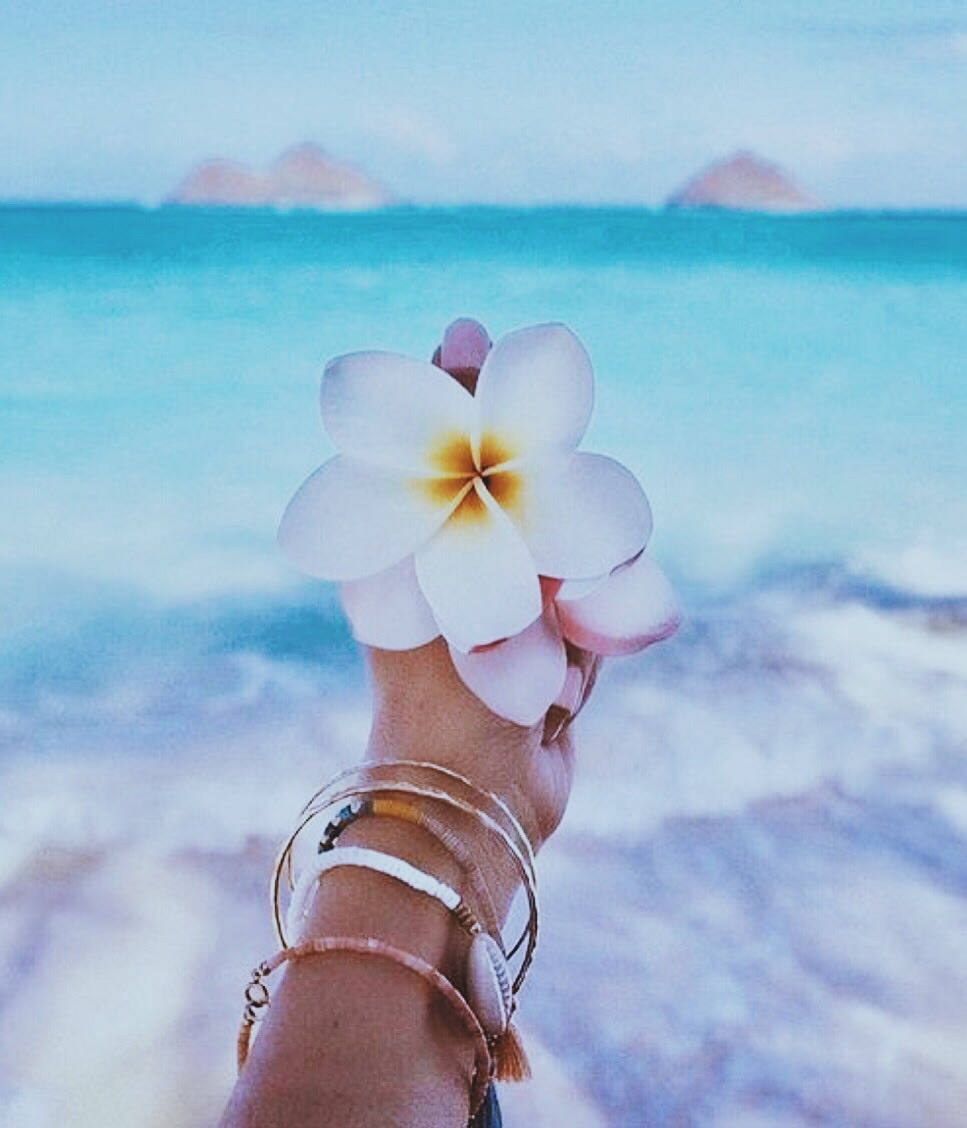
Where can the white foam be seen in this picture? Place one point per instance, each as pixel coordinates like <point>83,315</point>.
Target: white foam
<point>822,693</point>
<point>98,535</point>
<point>924,567</point>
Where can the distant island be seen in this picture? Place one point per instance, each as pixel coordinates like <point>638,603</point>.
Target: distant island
<point>743,182</point>
<point>302,177</point>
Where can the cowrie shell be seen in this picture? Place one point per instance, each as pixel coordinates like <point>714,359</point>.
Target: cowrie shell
<point>488,984</point>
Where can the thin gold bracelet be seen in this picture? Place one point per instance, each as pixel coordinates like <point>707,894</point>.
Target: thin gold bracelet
<point>451,776</point>
<point>380,787</point>
<point>499,809</point>
<point>412,813</point>
<point>530,933</point>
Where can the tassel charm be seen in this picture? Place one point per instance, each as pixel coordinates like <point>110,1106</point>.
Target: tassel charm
<point>491,997</point>
<point>510,1059</point>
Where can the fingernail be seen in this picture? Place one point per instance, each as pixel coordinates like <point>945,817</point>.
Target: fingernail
<point>555,724</point>
<point>465,345</point>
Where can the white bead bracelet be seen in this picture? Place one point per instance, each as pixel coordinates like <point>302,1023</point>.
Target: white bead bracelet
<point>364,858</point>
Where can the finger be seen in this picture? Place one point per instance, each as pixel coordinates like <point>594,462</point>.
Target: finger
<point>559,715</point>
<point>590,666</point>
<point>463,350</point>
<point>582,673</point>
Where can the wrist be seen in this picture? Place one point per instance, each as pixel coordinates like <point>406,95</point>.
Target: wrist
<point>492,761</point>
<point>353,901</point>
<point>446,844</point>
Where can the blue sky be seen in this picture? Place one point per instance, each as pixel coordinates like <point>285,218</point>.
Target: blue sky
<point>450,100</point>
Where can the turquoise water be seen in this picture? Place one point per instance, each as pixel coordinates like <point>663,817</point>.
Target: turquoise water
<point>755,799</point>
<point>792,392</point>
<point>788,390</point>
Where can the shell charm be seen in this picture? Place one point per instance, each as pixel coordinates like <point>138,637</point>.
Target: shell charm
<point>488,985</point>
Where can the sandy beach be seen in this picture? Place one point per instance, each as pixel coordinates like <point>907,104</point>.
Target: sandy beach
<point>770,933</point>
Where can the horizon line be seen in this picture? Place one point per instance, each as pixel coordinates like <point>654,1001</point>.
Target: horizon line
<point>92,204</point>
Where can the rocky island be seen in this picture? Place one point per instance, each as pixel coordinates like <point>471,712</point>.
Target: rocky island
<point>743,182</point>
<point>302,177</point>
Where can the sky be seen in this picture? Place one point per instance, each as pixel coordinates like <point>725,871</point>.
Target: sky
<point>505,101</point>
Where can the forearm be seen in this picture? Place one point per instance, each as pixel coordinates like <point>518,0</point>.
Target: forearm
<point>356,1041</point>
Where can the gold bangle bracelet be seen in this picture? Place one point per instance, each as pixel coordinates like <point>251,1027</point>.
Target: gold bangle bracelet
<point>402,787</point>
<point>451,776</point>
<point>257,996</point>
<point>395,807</point>
<point>370,767</point>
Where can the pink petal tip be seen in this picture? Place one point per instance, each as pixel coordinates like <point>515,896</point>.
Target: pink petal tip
<point>634,608</point>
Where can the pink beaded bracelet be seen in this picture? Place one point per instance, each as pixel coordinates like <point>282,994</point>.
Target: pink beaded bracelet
<point>257,997</point>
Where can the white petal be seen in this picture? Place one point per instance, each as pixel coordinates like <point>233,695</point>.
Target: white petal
<point>478,576</point>
<point>580,514</point>
<point>535,392</point>
<point>517,679</point>
<point>349,520</point>
<point>389,610</point>
<point>633,609</point>
<point>578,589</point>
<point>392,410</point>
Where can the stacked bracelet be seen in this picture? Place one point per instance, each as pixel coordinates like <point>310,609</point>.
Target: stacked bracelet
<point>398,808</point>
<point>530,933</point>
<point>487,980</point>
<point>499,821</point>
<point>387,788</point>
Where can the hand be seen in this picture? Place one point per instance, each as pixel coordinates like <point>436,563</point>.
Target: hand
<point>316,1050</point>
<point>422,710</point>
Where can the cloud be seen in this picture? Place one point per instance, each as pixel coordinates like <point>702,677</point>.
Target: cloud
<point>413,136</point>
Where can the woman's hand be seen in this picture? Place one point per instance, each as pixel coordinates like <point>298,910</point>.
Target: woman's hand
<point>423,711</point>
<point>359,1042</point>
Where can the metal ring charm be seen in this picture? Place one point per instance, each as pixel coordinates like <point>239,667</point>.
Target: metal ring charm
<point>257,994</point>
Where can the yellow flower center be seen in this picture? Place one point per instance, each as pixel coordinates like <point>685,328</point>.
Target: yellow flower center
<point>452,458</point>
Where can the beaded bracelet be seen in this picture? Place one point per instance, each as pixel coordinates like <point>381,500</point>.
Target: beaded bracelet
<point>486,978</point>
<point>389,866</point>
<point>522,854</point>
<point>450,841</point>
<point>444,797</point>
<point>257,997</point>
<point>499,809</point>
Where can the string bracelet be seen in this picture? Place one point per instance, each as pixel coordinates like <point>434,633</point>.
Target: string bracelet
<point>257,997</point>
<point>389,866</point>
<point>448,838</point>
<point>455,784</point>
<point>486,980</point>
<point>443,777</point>
<point>520,859</point>
<point>502,820</point>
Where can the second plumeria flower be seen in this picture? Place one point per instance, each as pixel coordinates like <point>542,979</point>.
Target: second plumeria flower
<point>487,492</point>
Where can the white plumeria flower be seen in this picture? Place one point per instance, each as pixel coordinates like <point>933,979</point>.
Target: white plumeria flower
<point>444,510</point>
<point>620,614</point>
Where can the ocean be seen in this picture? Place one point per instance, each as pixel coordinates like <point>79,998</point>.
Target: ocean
<point>770,815</point>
